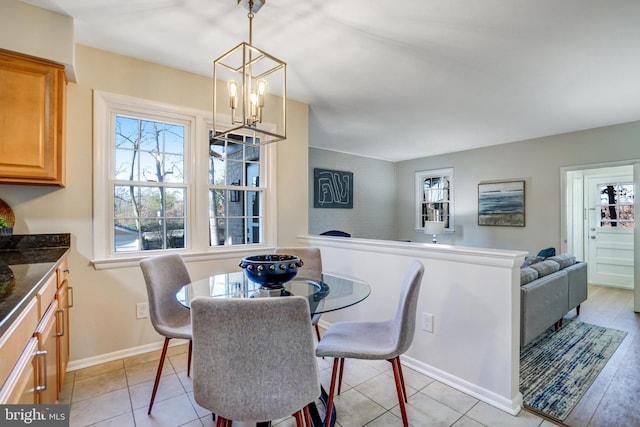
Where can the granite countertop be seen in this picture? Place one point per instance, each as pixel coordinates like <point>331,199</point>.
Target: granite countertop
<point>25,262</point>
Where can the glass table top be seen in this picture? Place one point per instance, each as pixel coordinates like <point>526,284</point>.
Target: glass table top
<point>328,293</point>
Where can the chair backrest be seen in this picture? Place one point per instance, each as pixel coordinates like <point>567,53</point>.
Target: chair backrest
<point>258,362</point>
<point>404,321</point>
<point>311,258</point>
<point>336,233</point>
<point>164,275</point>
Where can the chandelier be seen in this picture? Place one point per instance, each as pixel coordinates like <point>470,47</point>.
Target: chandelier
<point>249,92</point>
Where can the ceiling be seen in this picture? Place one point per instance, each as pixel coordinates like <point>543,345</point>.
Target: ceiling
<point>398,80</point>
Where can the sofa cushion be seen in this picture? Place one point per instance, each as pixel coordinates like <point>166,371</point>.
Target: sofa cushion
<point>531,260</point>
<point>527,274</point>
<point>546,267</point>
<point>565,260</point>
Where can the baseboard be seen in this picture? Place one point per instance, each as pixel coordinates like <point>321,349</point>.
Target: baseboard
<point>510,406</point>
<point>74,365</point>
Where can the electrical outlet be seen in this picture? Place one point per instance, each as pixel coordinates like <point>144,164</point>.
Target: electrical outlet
<point>427,322</point>
<point>142,310</point>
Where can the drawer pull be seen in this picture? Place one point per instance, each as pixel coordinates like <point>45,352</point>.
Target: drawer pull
<point>61,311</point>
<point>43,354</point>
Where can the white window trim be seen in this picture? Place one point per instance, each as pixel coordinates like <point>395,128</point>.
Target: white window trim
<point>419,177</point>
<point>197,210</point>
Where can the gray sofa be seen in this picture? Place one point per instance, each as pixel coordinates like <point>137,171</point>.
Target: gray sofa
<point>549,289</point>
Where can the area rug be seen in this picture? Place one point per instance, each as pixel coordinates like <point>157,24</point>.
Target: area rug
<point>558,367</point>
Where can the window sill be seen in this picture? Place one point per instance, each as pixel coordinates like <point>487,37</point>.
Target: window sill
<point>128,261</point>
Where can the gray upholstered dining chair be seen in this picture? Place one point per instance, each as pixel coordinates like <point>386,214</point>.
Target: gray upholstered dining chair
<point>258,363</point>
<point>377,340</point>
<point>164,275</point>
<point>311,269</point>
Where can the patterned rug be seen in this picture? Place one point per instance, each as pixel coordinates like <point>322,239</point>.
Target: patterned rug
<point>558,367</point>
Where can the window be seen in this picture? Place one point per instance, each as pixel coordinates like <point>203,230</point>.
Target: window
<point>149,191</point>
<point>617,207</point>
<point>157,189</point>
<point>434,197</point>
<point>235,195</point>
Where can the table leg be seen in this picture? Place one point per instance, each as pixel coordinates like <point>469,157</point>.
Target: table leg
<point>316,419</point>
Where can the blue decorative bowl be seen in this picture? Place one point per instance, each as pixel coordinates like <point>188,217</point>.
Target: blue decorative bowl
<point>271,271</point>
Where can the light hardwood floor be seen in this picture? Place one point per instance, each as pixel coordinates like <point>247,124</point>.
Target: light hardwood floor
<point>612,398</point>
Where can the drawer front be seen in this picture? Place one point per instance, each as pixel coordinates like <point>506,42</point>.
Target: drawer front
<point>16,337</point>
<point>47,335</point>
<point>63,271</point>
<point>20,386</point>
<point>46,294</point>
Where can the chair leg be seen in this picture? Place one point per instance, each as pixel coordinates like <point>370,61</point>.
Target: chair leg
<point>578,310</point>
<point>340,377</point>
<point>298,417</point>
<point>397,373</point>
<point>317,332</point>
<point>189,360</point>
<point>404,389</point>
<point>334,372</point>
<point>307,417</point>
<point>160,365</point>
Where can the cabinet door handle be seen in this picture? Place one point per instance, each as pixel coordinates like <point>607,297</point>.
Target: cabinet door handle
<point>71,296</point>
<point>61,311</point>
<point>43,355</point>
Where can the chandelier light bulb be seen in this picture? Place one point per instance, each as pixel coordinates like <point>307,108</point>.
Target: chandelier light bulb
<point>233,94</point>
<point>262,90</point>
<point>253,105</point>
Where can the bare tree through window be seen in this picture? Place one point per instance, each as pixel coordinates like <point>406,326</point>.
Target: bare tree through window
<point>149,190</point>
<point>617,205</point>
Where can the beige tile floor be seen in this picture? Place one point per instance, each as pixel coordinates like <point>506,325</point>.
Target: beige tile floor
<point>117,394</point>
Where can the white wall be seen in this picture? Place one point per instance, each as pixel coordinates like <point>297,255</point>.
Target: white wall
<point>374,196</point>
<point>473,294</point>
<point>538,162</point>
<point>38,32</point>
<point>103,317</point>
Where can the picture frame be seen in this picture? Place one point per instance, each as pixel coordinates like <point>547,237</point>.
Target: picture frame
<point>501,203</point>
<point>332,189</point>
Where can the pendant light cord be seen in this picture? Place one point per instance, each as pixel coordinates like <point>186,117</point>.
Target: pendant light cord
<point>250,16</point>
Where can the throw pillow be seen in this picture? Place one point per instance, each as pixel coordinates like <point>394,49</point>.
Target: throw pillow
<point>545,267</point>
<point>527,274</point>
<point>531,260</point>
<point>546,253</point>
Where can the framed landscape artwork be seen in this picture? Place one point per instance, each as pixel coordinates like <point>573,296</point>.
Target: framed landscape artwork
<point>501,203</point>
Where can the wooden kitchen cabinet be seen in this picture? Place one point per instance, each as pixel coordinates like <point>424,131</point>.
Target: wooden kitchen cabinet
<point>62,296</point>
<point>21,386</point>
<point>13,341</point>
<point>32,110</point>
<point>47,335</point>
<point>35,349</point>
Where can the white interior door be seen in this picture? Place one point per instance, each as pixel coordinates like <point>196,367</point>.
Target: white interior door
<point>609,232</point>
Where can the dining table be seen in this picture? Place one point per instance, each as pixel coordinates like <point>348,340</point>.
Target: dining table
<point>325,292</point>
